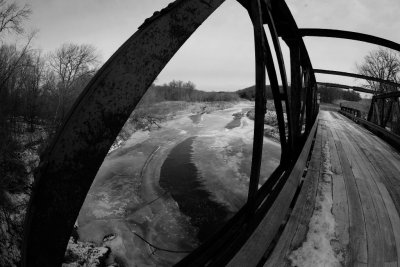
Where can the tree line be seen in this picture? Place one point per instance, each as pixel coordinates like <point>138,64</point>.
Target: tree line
<point>36,87</point>
<point>331,94</point>
<point>177,90</point>
<point>328,94</point>
<point>36,91</point>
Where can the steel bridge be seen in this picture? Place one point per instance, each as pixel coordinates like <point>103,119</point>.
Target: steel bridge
<point>366,170</point>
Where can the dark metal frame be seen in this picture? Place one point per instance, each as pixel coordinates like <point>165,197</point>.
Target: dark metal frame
<point>381,109</point>
<point>356,36</point>
<point>354,75</point>
<point>343,86</point>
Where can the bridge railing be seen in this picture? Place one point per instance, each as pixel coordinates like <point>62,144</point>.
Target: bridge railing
<point>383,117</point>
<point>385,111</point>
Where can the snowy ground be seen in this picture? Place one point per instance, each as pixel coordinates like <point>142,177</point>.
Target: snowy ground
<point>126,200</point>
<point>317,249</point>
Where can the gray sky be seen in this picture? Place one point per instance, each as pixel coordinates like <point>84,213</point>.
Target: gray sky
<point>219,56</point>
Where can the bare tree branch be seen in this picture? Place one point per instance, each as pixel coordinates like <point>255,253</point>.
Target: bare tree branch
<point>12,17</point>
<point>383,64</point>
<point>71,64</point>
<point>12,60</point>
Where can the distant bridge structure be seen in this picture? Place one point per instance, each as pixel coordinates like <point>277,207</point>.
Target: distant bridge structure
<point>365,171</point>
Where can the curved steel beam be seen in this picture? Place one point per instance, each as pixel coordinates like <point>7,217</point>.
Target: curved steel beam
<point>70,164</point>
<point>351,36</point>
<point>343,86</point>
<point>260,103</point>
<point>286,27</point>
<point>354,75</point>
<point>388,95</point>
<point>282,70</point>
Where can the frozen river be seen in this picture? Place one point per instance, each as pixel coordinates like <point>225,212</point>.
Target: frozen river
<point>173,187</point>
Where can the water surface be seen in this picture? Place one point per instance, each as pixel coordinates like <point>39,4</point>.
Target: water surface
<point>180,177</point>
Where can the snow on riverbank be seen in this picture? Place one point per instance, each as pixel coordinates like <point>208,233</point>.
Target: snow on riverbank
<point>317,249</point>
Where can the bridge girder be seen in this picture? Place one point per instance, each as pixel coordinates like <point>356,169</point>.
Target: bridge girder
<point>355,75</point>
<point>343,86</point>
<point>356,36</point>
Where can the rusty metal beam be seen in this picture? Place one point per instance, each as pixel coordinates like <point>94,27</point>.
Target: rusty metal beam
<point>343,86</point>
<point>260,103</point>
<point>275,89</point>
<point>294,95</point>
<point>70,164</point>
<point>388,95</point>
<point>354,75</point>
<point>356,36</point>
<point>286,27</point>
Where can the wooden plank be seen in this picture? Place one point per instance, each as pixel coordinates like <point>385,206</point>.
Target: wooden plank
<point>384,168</point>
<point>357,232</point>
<point>374,176</point>
<point>394,217</point>
<point>301,232</point>
<point>375,242</point>
<point>302,210</point>
<point>340,207</point>
<point>389,163</point>
<point>387,147</point>
<point>252,251</point>
<point>387,158</point>
<point>388,135</point>
<point>382,171</point>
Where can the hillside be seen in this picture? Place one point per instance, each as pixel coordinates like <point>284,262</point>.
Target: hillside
<point>250,92</point>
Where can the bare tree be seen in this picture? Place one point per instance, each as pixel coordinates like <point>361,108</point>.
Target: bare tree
<point>12,16</point>
<point>383,64</point>
<point>11,59</point>
<point>32,74</point>
<point>71,64</point>
<point>13,175</point>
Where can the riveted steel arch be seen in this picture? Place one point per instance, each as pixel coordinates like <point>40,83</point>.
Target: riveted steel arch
<point>69,166</point>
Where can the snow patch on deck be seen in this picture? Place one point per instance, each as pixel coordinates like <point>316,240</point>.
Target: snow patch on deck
<point>317,249</point>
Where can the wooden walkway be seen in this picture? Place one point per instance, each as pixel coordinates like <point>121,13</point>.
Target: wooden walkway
<point>365,192</point>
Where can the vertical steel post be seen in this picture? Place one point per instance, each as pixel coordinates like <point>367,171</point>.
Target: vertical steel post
<point>294,95</point>
<point>382,124</point>
<point>260,103</point>
<point>277,96</point>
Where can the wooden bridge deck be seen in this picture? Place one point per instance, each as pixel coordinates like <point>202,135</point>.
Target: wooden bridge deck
<point>365,193</point>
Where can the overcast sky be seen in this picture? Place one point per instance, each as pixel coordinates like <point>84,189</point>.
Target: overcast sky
<point>219,55</point>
